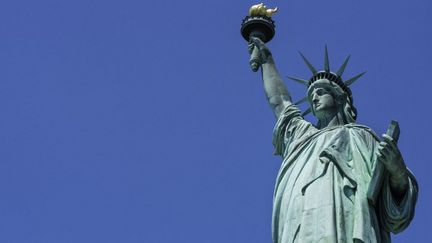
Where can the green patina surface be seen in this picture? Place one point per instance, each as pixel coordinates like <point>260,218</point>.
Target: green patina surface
<point>321,191</point>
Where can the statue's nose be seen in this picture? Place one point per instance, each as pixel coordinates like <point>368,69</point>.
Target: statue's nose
<point>314,98</point>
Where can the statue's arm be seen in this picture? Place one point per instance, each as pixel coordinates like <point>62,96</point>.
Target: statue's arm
<point>396,212</point>
<point>398,196</point>
<point>276,92</point>
<point>390,156</point>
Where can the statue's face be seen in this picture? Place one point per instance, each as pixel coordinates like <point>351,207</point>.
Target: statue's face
<point>323,103</point>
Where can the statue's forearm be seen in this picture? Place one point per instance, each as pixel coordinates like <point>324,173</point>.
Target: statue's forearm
<point>399,182</point>
<point>275,90</point>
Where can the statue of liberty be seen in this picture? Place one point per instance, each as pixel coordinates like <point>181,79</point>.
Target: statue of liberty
<point>321,191</point>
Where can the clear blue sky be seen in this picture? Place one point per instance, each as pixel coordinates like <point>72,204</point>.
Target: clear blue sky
<point>137,121</point>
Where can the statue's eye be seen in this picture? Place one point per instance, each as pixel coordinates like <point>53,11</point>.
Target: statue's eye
<point>320,92</point>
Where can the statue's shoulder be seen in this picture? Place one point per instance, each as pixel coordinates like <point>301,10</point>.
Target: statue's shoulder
<point>362,129</point>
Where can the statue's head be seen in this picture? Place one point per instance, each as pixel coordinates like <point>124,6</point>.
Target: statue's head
<point>328,94</point>
<point>328,99</point>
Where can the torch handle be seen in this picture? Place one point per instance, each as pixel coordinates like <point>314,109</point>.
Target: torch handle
<point>254,61</point>
<point>260,26</point>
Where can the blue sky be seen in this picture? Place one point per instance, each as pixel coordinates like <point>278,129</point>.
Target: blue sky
<point>137,121</point>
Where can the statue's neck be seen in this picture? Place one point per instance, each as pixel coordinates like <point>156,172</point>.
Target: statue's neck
<point>333,120</point>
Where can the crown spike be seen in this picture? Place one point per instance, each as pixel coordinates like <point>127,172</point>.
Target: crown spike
<point>302,81</point>
<point>353,79</point>
<point>313,70</point>
<point>304,99</point>
<point>309,110</point>
<point>326,61</point>
<point>342,68</point>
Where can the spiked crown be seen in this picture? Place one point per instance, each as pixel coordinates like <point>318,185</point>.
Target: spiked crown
<point>335,78</point>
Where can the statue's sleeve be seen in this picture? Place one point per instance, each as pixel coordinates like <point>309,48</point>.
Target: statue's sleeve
<point>290,128</point>
<point>396,215</point>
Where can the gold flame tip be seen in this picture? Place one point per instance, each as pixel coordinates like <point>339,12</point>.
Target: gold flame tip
<point>262,10</point>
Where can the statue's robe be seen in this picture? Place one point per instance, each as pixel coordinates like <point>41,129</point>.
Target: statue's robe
<point>321,189</point>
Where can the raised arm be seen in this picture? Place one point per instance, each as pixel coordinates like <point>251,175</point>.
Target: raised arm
<point>275,90</point>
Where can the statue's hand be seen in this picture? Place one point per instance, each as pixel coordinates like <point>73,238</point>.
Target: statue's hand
<point>390,156</point>
<point>264,52</point>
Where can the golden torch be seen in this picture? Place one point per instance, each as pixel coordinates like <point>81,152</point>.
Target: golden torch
<point>258,24</point>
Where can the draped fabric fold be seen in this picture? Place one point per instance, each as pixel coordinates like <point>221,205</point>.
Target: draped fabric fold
<point>320,192</point>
